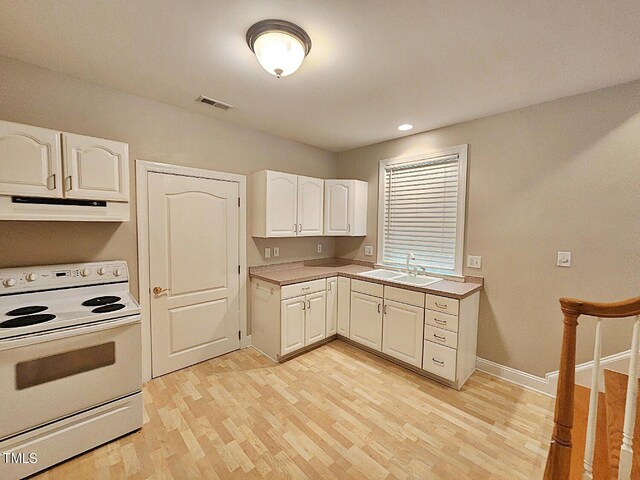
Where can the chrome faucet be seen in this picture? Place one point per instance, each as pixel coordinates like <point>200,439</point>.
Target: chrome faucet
<point>410,256</point>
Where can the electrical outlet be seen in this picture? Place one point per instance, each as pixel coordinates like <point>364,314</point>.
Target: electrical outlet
<point>368,250</point>
<point>276,251</point>
<point>267,252</point>
<point>474,261</point>
<point>564,259</point>
<point>319,248</point>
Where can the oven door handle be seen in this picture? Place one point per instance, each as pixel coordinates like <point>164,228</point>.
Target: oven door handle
<point>9,343</point>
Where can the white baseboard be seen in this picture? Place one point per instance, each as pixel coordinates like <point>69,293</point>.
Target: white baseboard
<point>547,385</point>
<point>245,342</point>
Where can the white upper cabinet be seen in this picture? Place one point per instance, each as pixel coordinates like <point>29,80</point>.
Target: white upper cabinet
<point>95,169</point>
<point>345,209</point>
<point>310,206</point>
<point>29,161</point>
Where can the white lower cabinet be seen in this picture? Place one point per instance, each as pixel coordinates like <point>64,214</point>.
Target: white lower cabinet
<point>344,305</point>
<point>366,320</point>
<point>293,323</point>
<point>440,360</point>
<point>315,323</point>
<point>332,306</point>
<point>402,332</point>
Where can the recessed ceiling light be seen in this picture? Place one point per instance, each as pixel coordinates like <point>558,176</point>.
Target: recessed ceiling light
<point>404,127</point>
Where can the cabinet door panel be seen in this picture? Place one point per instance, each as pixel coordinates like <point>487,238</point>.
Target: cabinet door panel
<point>292,324</point>
<point>95,169</point>
<point>402,332</point>
<point>366,320</point>
<point>30,161</point>
<point>344,305</point>
<point>337,198</point>
<point>332,306</point>
<point>310,206</point>
<point>315,317</point>
<point>282,200</point>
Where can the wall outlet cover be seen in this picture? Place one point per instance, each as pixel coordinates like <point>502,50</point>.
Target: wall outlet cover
<point>564,259</point>
<point>368,251</point>
<point>319,248</point>
<point>474,261</point>
<point>276,251</point>
<point>267,252</point>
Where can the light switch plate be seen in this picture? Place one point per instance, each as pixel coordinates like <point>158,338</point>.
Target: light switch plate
<point>474,261</point>
<point>267,252</point>
<point>564,259</point>
<point>319,248</point>
<point>276,251</point>
<point>368,251</point>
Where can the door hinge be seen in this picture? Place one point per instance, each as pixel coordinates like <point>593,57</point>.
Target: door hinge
<point>239,335</point>
<point>238,201</point>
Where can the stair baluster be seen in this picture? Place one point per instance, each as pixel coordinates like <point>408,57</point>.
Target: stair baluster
<point>626,450</point>
<point>587,473</point>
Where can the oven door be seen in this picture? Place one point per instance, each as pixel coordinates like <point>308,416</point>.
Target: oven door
<point>51,375</point>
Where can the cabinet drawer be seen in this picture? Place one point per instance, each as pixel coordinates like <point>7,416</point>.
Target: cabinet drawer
<point>368,288</point>
<point>439,360</point>
<point>440,336</point>
<point>442,304</point>
<point>441,320</point>
<point>304,288</point>
<point>404,296</point>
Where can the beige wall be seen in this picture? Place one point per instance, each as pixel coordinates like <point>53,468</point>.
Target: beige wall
<point>155,132</point>
<point>563,175</point>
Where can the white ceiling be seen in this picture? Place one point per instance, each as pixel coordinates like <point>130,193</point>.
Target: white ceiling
<point>374,64</point>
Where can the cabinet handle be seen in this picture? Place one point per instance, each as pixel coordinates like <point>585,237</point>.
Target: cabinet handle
<point>329,287</point>
<point>438,337</point>
<point>443,306</point>
<point>378,308</point>
<point>52,182</point>
<point>438,362</point>
<point>295,227</point>
<point>300,227</point>
<point>68,183</point>
<point>308,304</point>
<point>440,322</point>
<point>304,305</point>
<point>348,227</point>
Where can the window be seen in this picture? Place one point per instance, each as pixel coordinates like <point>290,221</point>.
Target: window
<point>421,210</point>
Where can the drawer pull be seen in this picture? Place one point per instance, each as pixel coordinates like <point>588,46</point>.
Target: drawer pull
<point>438,337</point>
<point>440,322</point>
<point>443,306</point>
<point>306,288</point>
<point>438,362</point>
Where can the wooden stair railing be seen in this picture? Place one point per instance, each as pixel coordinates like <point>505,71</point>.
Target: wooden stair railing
<point>559,459</point>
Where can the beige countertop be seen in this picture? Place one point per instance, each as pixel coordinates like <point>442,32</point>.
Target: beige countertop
<point>296,272</point>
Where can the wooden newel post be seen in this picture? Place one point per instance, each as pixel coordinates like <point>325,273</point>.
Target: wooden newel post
<point>559,459</point>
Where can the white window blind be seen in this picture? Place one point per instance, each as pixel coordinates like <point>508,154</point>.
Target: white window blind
<point>421,213</point>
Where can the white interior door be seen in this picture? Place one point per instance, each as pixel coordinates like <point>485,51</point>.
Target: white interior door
<point>310,206</point>
<point>336,212</point>
<point>193,257</point>
<point>95,168</point>
<point>282,201</point>
<point>30,161</point>
<point>403,332</point>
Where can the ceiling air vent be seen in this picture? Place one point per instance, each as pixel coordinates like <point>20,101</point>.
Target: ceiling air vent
<point>213,103</point>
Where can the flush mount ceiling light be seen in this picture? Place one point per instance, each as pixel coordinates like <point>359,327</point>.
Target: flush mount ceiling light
<point>280,46</point>
<point>404,127</point>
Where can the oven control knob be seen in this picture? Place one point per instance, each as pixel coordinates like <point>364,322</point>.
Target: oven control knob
<point>117,272</point>
<point>9,282</point>
<point>85,272</point>
<point>102,271</point>
<point>32,277</point>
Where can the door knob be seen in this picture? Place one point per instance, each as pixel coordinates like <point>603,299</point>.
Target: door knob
<point>158,290</point>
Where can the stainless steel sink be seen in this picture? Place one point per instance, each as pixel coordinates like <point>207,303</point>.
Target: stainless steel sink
<point>401,278</point>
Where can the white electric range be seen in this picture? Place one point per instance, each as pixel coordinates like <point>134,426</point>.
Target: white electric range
<point>70,362</point>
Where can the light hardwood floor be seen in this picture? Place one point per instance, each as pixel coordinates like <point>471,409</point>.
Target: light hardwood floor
<point>335,412</point>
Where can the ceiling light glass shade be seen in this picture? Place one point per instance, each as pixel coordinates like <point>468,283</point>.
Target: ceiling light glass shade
<point>280,46</point>
<point>279,53</point>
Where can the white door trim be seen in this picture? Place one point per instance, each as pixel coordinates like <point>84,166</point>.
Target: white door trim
<point>143,168</point>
